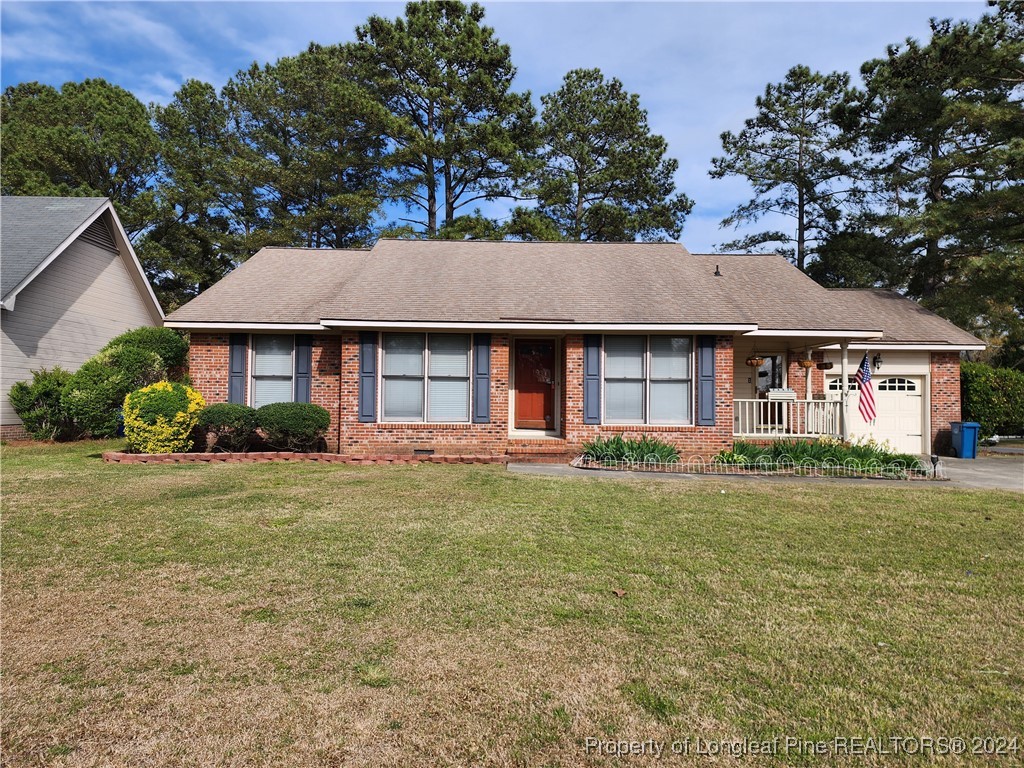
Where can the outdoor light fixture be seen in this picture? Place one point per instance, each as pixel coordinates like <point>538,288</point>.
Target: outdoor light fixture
<point>935,466</point>
<point>876,361</point>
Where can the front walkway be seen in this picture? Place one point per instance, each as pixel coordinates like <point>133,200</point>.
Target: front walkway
<point>991,472</point>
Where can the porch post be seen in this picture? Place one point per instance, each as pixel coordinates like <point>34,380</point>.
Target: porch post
<point>844,418</point>
<point>807,379</point>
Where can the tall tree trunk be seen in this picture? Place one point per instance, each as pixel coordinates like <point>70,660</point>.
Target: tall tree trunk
<point>449,195</point>
<point>801,229</point>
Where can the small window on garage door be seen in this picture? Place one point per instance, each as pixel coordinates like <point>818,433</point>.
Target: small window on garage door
<point>836,385</point>
<point>897,385</point>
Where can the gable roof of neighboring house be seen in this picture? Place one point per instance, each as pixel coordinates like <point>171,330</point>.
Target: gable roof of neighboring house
<point>34,231</point>
<point>510,284</point>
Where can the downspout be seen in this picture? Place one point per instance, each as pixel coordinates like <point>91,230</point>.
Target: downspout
<point>844,415</point>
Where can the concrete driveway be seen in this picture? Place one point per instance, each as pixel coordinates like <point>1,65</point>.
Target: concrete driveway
<point>1005,472</point>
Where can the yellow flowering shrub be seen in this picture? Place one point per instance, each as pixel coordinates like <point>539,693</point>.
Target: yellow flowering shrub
<point>160,418</point>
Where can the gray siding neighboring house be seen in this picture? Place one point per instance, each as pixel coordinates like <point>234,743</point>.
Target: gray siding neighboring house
<point>70,283</point>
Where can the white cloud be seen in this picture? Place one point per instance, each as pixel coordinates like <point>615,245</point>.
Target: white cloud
<point>697,66</point>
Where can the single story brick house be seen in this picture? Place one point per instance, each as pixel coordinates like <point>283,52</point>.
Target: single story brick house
<point>529,349</point>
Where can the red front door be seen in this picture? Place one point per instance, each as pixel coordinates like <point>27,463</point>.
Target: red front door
<point>535,384</point>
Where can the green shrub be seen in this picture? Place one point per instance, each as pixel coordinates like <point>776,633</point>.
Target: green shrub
<point>160,418</point>
<point>93,396</point>
<point>293,426</point>
<point>232,424</point>
<point>863,454</point>
<point>993,397</point>
<point>167,343</point>
<point>37,404</point>
<point>616,448</point>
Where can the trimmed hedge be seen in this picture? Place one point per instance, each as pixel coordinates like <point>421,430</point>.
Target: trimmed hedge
<point>293,426</point>
<point>93,396</point>
<point>37,404</point>
<point>993,397</point>
<point>233,425</point>
<point>160,418</point>
<point>168,343</point>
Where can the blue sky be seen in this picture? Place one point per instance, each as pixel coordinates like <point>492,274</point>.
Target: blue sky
<point>697,66</point>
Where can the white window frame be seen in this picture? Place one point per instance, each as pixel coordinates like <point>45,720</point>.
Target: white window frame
<point>249,395</point>
<point>646,421</point>
<point>381,378</point>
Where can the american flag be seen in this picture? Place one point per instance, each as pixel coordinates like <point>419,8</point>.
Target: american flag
<point>867,392</point>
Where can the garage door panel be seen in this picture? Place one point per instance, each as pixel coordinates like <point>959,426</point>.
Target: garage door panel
<point>899,405</point>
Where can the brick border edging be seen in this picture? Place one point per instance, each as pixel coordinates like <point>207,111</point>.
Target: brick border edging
<point>120,457</point>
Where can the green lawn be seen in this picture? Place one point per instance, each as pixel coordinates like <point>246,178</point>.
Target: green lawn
<point>308,615</point>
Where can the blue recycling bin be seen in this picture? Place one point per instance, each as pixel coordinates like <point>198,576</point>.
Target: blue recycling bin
<point>965,438</point>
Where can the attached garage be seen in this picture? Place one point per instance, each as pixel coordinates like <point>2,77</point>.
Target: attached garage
<point>900,405</point>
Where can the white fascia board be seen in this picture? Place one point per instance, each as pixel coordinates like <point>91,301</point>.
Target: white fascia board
<point>204,326</point>
<point>817,334</point>
<point>912,347</point>
<point>133,261</point>
<point>582,327</point>
<point>10,297</point>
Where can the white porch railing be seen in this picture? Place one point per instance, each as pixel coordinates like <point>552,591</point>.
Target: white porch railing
<point>786,418</point>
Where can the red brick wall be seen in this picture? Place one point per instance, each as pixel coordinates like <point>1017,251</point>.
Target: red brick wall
<point>405,438</point>
<point>797,376</point>
<point>691,441</point>
<point>335,386</point>
<point>208,365</point>
<point>945,398</point>
<point>13,432</point>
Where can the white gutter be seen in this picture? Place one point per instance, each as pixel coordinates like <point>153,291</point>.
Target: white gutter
<point>542,326</point>
<point>911,347</point>
<point>817,334</point>
<point>186,325</point>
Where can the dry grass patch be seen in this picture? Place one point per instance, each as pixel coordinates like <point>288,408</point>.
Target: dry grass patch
<point>296,615</point>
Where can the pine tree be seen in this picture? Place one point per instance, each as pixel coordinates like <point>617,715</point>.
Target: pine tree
<point>796,159</point>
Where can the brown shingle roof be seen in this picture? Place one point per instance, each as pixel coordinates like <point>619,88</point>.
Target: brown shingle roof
<point>491,283</point>
<point>904,321</point>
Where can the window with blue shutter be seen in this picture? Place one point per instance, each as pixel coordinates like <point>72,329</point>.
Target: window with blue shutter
<point>591,379</point>
<point>303,369</point>
<point>368,376</point>
<point>482,378</point>
<point>706,381</point>
<point>237,355</point>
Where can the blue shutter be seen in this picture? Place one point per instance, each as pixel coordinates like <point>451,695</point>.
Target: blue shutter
<point>303,368</point>
<point>591,379</point>
<point>368,376</point>
<point>706,381</point>
<point>482,378</point>
<point>237,356</point>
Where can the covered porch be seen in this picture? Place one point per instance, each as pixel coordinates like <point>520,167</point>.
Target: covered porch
<point>779,384</point>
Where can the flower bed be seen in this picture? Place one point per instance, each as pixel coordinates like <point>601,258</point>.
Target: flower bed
<point>765,467</point>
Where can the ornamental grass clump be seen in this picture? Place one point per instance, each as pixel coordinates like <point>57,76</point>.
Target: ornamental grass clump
<point>616,449</point>
<point>160,418</point>
<point>864,454</point>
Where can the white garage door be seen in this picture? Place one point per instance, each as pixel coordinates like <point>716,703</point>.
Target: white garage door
<point>899,403</point>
